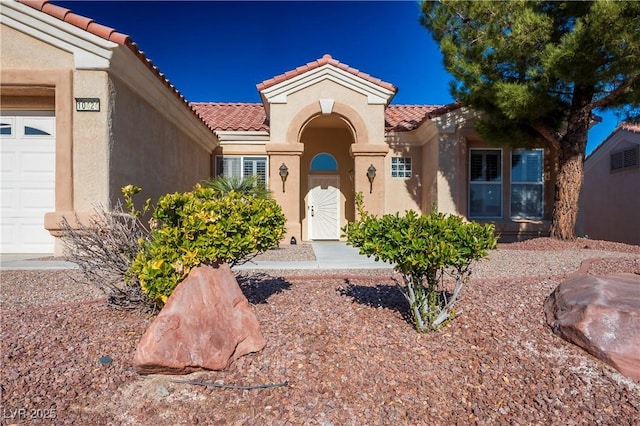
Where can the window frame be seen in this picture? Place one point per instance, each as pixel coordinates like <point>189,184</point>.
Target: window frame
<point>320,156</point>
<point>497,183</point>
<point>403,169</point>
<point>243,159</point>
<point>540,182</point>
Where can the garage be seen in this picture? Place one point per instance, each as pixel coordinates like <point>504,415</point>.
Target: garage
<point>27,150</point>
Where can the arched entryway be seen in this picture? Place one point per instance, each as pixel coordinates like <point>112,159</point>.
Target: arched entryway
<point>326,177</point>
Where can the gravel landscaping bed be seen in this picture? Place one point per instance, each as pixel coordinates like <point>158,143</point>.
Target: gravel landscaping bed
<point>338,344</point>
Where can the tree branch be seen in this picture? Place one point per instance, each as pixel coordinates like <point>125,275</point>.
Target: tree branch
<point>615,93</point>
<point>549,135</point>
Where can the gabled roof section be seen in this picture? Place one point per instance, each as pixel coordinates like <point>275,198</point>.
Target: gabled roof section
<point>233,116</point>
<point>276,89</point>
<point>625,125</point>
<point>106,33</point>
<point>253,117</point>
<point>326,59</point>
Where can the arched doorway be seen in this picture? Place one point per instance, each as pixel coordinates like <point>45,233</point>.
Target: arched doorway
<point>326,184</point>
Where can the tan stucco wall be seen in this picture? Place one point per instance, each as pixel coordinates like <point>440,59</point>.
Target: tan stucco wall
<point>91,132</point>
<point>20,51</point>
<point>452,173</point>
<point>403,194</point>
<point>609,203</point>
<point>147,150</point>
<point>429,174</point>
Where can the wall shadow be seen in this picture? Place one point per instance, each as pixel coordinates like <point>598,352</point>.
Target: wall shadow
<point>383,296</point>
<point>259,287</point>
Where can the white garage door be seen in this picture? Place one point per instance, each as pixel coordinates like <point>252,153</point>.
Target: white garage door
<point>27,150</point>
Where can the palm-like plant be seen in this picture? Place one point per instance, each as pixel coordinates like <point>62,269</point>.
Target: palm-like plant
<point>249,185</point>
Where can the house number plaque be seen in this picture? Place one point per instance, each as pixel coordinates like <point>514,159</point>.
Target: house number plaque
<point>88,104</point>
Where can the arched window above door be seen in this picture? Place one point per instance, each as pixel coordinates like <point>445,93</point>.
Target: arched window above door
<point>324,162</point>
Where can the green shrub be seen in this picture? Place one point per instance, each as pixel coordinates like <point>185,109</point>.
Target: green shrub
<point>200,227</point>
<point>425,249</point>
<point>248,185</point>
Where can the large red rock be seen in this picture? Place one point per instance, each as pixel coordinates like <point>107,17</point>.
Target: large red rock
<point>207,323</point>
<point>601,314</point>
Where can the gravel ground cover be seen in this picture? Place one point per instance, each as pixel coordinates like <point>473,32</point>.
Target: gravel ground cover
<point>338,345</point>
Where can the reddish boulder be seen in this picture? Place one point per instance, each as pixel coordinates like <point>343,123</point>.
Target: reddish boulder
<point>601,314</point>
<point>207,323</point>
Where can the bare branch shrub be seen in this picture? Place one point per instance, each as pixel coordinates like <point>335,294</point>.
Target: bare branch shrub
<point>104,247</point>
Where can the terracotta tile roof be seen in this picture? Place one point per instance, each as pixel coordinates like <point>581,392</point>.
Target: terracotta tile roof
<point>233,116</point>
<point>107,33</point>
<point>244,116</point>
<point>326,59</point>
<point>410,117</point>
<point>630,127</point>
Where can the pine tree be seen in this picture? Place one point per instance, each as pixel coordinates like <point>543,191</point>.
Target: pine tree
<point>539,71</point>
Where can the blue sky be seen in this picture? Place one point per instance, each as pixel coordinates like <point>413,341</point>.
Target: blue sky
<point>217,51</point>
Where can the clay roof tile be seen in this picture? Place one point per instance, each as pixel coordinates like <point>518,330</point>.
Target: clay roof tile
<point>252,116</point>
<point>326,59</point>
<point>100,30</point>
<point>78,20</point>
<point>55,11</point>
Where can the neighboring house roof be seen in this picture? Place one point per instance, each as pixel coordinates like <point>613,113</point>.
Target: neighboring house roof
<point>326,59</point>
<point>629,127</point>
<point>106,33</point>
<point>252,116</point>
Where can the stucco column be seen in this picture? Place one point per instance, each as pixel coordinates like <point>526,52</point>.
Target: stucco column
<point>290,198</point>
<point>364,156</point>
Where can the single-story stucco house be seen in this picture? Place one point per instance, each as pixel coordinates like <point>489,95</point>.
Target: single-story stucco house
<point>610,197</point>
<point>84,113</point>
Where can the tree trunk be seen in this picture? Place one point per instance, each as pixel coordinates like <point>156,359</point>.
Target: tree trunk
<point>571,166</point>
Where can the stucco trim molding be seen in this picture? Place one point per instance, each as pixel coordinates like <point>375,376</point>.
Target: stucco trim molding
<point>245,137</point>
<point>284,148</point>
<point>368,149</point>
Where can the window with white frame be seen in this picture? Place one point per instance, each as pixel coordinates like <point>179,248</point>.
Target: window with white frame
<point>241,167</point>
<point>485,183</point>
<point>527,185</point>
<point>401,167</point>
<point>624,159</point>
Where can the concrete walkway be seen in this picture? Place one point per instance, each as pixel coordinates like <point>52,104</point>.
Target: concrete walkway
<point>32,261</point>
<point>330,255</point>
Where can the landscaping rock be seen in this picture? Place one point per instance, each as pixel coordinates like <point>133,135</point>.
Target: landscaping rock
<point>207,323</point>
<point>601,314</point>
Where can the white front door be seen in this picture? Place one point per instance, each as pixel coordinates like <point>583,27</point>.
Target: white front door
<point>324,207</point>
<point>27,181</point>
